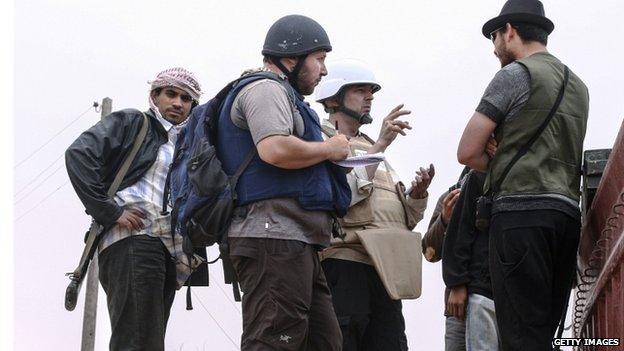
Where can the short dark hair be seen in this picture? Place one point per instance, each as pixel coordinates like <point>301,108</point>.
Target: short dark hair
<point>531,32</point>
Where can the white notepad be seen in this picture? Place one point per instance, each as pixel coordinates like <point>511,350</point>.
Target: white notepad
<point>363,160</point>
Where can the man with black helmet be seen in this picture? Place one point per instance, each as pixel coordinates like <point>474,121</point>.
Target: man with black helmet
<point>537,109</point>
<point>378,262</point>
<point>289,195</point>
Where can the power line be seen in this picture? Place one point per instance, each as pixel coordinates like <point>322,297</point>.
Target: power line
<point>54,136</point>
<point>95,105</point>
<point>38,185</point>
<point>40,202</point>
<point>228,297</point>
<point>215,320</point>
<point>38,175</point>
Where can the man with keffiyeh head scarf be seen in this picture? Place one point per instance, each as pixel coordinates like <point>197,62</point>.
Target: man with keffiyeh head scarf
<point>141,264</point>
<point>173,82</point>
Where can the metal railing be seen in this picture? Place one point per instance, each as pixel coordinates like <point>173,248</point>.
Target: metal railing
<point>599,299</point>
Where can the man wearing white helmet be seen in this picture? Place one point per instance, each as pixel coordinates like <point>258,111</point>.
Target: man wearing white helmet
<point>140,263</point>
<point>378,262</point>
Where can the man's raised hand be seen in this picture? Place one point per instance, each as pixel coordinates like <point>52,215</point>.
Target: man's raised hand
<point>391,126</point>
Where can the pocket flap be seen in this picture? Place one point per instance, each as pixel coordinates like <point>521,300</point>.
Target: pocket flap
<point>397,257</point>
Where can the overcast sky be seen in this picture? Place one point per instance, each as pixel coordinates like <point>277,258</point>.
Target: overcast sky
<point>429,55</point>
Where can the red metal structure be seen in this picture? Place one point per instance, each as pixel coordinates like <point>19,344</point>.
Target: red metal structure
<point>599,302</point>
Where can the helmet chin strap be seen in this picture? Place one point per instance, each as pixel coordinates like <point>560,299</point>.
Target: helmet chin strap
<point>293,76</point>
<point>361,118</point>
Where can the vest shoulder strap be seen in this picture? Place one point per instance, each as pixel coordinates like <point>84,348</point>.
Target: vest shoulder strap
<point>327,130</point>
<point>330,132</point>
<point>290,91</point>
<point>368,138</point>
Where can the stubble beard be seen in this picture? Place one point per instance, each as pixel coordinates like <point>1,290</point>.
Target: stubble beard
<point>305,89</point>
<point>505,57</point>
<point>305,83</point>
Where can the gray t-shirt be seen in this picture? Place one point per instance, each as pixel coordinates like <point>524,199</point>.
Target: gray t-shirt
<point>265,109</point>
<point>507,93</point>
<point>505,96</point>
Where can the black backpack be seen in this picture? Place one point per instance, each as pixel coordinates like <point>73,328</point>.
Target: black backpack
<point>203,196</point>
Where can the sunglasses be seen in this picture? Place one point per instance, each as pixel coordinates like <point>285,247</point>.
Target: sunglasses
<point>494,32</point>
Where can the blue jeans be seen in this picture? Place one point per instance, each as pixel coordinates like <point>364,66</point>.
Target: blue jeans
<point>481,328</point>
<point>454,335</point>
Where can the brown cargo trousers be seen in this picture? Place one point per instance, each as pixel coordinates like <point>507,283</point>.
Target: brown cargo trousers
<point>286,303</point>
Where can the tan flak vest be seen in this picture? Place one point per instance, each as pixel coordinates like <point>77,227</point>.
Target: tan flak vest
<point>379,227</point>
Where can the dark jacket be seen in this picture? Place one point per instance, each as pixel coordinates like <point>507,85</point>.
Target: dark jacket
<point>92,160</point>
<point>465,250</point>
<point>434,237</point>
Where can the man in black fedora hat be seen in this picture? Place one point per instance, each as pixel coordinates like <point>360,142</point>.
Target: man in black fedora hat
<point>537,110</point>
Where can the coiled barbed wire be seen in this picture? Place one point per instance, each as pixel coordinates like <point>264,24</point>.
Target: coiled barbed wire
<point>596,263</point>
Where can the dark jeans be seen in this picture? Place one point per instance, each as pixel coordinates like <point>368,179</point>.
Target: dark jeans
<point>139,277</point>
<point>368,317</point>
<point>532,262</point>
<point>286,302</point>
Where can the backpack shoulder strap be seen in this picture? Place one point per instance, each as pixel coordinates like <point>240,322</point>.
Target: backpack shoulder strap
<point>242,167</point>
<point>216,103</point>
<point>250,79</point>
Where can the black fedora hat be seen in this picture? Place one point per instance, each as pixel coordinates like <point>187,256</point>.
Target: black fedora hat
<point>519,11</point>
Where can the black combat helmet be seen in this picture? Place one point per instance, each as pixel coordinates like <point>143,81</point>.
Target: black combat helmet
<point>294,36</point>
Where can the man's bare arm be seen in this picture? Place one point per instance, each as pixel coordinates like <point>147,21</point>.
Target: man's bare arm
<point>291,152</point>
<point>472,146</point>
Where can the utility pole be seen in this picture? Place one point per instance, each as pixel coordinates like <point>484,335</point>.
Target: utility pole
<point>91,295</point>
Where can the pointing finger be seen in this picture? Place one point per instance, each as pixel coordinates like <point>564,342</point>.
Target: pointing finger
<point>400,106</point>
<point>402,124</point>
<point>395,115</point>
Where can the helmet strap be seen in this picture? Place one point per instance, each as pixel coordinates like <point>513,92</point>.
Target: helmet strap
<point>293,76</point>
<point>361,118</point>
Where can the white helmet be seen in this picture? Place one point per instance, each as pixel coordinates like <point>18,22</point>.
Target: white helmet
<point>343,73</point>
